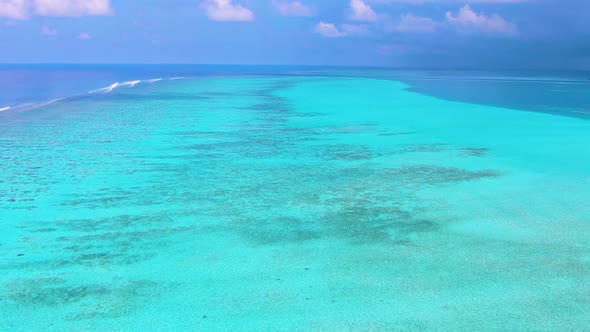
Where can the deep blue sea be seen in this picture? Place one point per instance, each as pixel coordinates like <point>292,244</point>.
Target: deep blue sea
<point>286,198</point>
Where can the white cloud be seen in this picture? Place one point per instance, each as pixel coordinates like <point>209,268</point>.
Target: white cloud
<point>466,17</point>
<point>21,9</point>
<point>225,10</point>
<point>361,11</point>
<point>14,9</point>
<point>48,31</point>
<point>411,23</point>
<point>328,30</point>
<point>85,35</point>
<point>73,7</point>
<point>293,8</point>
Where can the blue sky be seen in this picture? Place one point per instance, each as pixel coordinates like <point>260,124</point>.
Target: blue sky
<point>543,34</point>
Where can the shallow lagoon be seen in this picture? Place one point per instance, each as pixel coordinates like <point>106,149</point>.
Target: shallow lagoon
<point>292,203</point>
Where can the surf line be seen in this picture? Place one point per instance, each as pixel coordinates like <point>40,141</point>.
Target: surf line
<point>107,89</point>
<point>130,83</point>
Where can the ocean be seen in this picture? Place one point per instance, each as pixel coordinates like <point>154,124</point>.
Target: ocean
<point>286,198</point>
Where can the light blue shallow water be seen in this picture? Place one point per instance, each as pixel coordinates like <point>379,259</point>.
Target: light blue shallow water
<point>292,203</point>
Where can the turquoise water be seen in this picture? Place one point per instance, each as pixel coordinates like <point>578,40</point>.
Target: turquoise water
<point>292,203</point>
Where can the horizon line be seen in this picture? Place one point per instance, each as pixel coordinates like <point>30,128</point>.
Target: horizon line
<point>450,68</point>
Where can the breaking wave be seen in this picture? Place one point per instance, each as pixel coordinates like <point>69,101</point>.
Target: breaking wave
<point>53,101</point>
<point>107,89</point>
<point>130,83</point>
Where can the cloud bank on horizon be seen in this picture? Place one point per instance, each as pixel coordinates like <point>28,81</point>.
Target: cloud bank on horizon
<point>442,33</point>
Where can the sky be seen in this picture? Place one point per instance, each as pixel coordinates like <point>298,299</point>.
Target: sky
<point>514,34</point>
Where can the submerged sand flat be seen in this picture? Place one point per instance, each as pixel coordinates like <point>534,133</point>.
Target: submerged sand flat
<point>292,203</point>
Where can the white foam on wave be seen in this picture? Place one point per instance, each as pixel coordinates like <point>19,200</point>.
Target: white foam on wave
<point>112,86</point>
<point>130,83</point>
<point>47,103</point>
<point>107,89</point>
